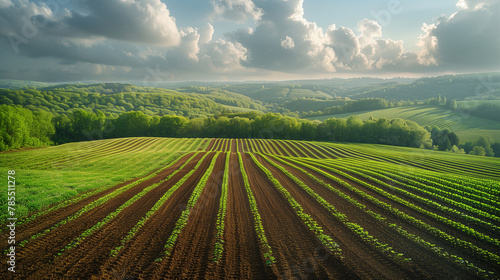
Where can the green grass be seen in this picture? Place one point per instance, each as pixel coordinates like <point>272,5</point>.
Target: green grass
<point>468,128</point>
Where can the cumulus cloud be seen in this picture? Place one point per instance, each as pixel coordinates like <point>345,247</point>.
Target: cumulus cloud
<point>469,38</point>
<point>236,10</point>
<point>38,30</point>
<point>265,45</point>
<point>100,38</point>
<point>345,45</point>
<point>145,22</point>
<point>284,40</point>
<point>224,56</point>
<point>206,33</point>
<point>429,46</point>
<point>370,30</point>
<point>287,43</point>
<point>196,57</point>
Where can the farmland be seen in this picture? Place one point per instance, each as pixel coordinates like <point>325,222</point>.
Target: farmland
<point>467,127</point>
<point>164,208</point>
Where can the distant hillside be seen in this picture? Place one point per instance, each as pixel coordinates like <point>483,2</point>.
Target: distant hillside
<point>113,99</point>
<point>458,87</point>
<point>17,84</point>
<point>467,127</point>
<point>314,105</point>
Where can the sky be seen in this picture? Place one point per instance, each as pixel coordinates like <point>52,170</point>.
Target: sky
<point>243,40</point>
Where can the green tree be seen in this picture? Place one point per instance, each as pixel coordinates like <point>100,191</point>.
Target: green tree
<point>478,151</point>
<point>132,124</point>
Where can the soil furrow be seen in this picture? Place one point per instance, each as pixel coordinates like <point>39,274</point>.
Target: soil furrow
<point>298,252</point>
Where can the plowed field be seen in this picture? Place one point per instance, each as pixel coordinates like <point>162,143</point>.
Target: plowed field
<point>266,209</point>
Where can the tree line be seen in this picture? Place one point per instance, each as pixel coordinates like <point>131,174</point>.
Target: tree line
<point>21,127</point>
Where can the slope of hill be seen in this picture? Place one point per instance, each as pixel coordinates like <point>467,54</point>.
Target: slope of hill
<point>17,84</point>
<point>458,87</point>
<point>112,98</point>
<point>467,127</point>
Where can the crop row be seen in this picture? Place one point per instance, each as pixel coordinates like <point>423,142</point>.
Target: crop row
<point>135,229</point>
<point>91,193</point>
<point>426,189</point>
<point>325,240</point>
<point>116,150</point>
<point>259,227</point>
<point>93,204</point>
<point>462,167</point>
<point>464,193</point>
<point>355,228</point>
<point>115,213</point>
<point>221,214</point>
<point>454,241</point>
<point>457,225</point>
<point>401,215</point>
<point>182,221</point>
<point>268,147</point>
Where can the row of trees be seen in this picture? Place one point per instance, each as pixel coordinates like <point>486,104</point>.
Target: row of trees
<point>83,125</point>
<point>20,127</point>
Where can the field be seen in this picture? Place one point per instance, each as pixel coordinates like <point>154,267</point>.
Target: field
<point>162,208</point>
<point>468,128</point>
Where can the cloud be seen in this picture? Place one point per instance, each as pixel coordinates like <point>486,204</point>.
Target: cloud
<point>144,22</point>
<point>100,38</point>
<point>206,33</point>
<point>38,30</point>
<point>265,43</point>
<point>195,58</point>
<point>370,30</point>
<point>236,10</point>
<point>287,43</point>
<point>5,4</point>
<point>284,40</point>
<point>223,56</point>
<point>468,39</point>
<point>188,47</point>
<point>429,46</point>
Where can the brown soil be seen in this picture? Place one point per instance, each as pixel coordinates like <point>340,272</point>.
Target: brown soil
<point>299,253</point>
<point>241,257</point>
<point>192,253</point>
<point>211,145</point>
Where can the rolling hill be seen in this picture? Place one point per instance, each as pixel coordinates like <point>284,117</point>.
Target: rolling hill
<point>468,128</point>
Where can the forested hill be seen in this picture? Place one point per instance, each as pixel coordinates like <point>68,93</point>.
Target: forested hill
<point>18,84</point>
<point>316,95</point>
<point>113,99</point>
<point>458,87</point>
<point>64,104</point>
